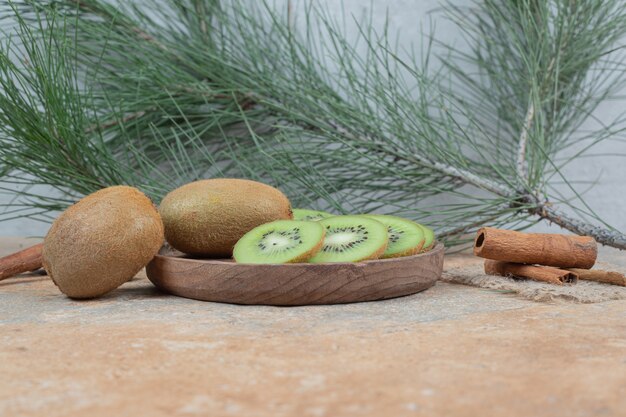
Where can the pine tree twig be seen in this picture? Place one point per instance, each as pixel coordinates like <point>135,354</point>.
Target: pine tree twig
<point>543,210</point>
<point>290,15</point>
<point>200,11</point>
<point>115,122</point>
<point>447,170</point>
<point>523,139</point>
<point>601,235</point>
<point>244,100</point>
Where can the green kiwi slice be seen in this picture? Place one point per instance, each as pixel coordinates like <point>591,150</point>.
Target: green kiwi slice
<point>310,215</point>
<point>281,241</point>
<point>351,239</point>
<point>429,237</point>
<point>405,237</point>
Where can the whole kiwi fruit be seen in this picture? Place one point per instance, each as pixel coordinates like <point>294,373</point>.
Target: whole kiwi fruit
<point>207,217</point>
<point>102,241</point>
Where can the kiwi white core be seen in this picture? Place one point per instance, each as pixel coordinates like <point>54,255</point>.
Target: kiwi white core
<point>274,242</point>
<point>342,238</point>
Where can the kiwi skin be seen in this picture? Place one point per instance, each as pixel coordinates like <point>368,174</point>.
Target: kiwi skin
<point>208,217</point>
<point>308,255</point>
<point>380,252</point>
<point>102,241</point>
<point>430,236</point>
<point>376,255</point>
<point>409,252</point>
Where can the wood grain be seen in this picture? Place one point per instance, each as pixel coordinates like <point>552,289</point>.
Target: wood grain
<point>294,284</point>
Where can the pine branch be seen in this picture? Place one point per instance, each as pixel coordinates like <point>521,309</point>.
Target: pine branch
<point>444,169</point>
<point>112,123</point>
<point>602,235</point>
<point>194,89</point>
<point>523,139</point>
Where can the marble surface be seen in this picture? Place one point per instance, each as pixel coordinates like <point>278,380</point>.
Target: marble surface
<point>451,350</point>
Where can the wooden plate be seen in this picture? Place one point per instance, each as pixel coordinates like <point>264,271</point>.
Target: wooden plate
<point>294,284</point>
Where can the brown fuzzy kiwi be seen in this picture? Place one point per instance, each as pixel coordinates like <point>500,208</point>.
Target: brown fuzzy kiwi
<point>102,241</point>
<point>207,217</point>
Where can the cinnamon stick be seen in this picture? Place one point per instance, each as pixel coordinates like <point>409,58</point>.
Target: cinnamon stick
<point>26,260</point>
<point>561,251</point>
<point>598,275</point>
<point>536,273</point>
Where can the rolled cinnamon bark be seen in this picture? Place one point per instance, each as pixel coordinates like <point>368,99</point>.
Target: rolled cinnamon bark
<point>536,273</point>
<point>598,275</point>
<point>26,260</point>
<point>556,250</point>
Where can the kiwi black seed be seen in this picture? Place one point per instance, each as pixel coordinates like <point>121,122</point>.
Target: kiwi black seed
<point>282,241</point>
<point>351,239</point>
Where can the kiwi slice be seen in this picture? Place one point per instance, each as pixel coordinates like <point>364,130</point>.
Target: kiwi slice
<point>405,237</point>
<point>429,237</point>
<point>351,239</point>
<point>281,241</point>
<point>310,215</point>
